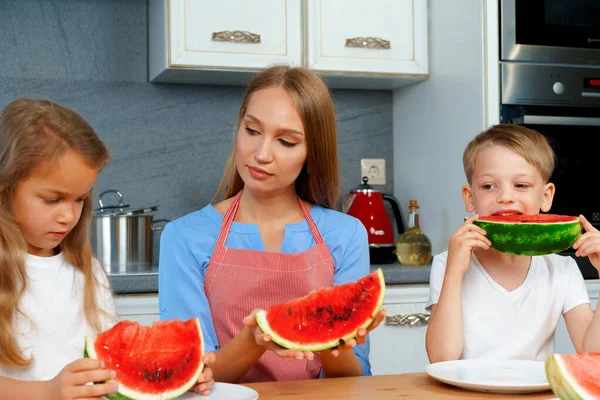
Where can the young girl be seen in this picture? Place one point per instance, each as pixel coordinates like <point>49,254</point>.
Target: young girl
<point>275,236</point>
<point>52,291</point>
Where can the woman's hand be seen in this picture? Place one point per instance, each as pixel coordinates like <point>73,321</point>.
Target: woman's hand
<point>588,244</point>
<point>206,381</point>
<point>265,340</point>
<point>71,382</point>
<point>361,335</point>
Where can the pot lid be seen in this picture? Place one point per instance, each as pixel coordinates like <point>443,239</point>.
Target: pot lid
<point>121,208</point>
<point>364,186</point>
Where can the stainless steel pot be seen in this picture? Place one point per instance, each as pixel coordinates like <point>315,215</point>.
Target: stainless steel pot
<point>121,236</point>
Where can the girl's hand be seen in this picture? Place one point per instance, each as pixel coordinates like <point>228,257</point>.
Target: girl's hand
<point>206,381</point>
<point>462,243</point>
<point>588,244</point>
<point>265,340</point>
<point>70,383</point>
<point>361,335</point>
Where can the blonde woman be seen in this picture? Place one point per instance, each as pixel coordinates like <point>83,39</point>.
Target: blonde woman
<point>276,236</point>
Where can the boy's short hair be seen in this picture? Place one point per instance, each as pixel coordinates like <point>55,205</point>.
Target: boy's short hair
<point>528,143</point>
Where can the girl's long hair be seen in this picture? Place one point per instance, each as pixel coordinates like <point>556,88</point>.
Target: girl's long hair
<point>35,131</point>
<point>319,181</point>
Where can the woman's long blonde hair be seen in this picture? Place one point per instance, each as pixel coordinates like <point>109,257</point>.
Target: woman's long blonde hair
<point>319,181</point>
<point>35,131</point>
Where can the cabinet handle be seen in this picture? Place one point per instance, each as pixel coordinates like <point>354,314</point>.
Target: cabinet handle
<point>236,37</point>
<point>368,43</point>
<point>408,319</point>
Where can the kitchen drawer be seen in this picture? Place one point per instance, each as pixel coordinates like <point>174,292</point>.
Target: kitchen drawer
<point>141,308</point>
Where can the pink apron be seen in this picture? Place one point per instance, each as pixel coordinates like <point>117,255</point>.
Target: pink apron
<point>238,281</point>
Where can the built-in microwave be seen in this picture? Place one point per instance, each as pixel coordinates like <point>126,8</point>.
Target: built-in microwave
<point>563,103</point>
<point>553,31</point>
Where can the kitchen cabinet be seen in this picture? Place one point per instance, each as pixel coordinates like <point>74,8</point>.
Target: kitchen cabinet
<point>380,44</point>
<point>188,39</point>
<point>491,62</point>
<point>379,37</point>
<point>398,344</point>
<point>142,308</point>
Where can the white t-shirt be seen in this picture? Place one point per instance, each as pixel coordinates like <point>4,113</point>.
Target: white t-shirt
<point>53,301</point>
<point>519,324</point>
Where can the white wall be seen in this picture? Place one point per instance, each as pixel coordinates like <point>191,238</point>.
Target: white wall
<point>434,120</point>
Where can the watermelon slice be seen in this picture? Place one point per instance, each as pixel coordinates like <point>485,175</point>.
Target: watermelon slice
<point>574,376</point>
<point>161,361</point>
<point>327,317</point>
<point>531,235</point>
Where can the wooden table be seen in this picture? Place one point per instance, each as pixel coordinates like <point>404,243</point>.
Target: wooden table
<point>381,387</point>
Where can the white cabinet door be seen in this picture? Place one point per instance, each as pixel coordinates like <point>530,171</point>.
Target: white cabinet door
<point>372,37</point>
<point>141,308</point>
<point>398,344</point>
<point>226,35</point>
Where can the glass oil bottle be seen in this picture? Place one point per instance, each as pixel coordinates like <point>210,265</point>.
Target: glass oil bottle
<point>413,247</point>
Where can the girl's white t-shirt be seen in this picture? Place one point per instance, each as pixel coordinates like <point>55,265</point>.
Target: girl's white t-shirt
<point>518,324</point>
<point>53,301</point>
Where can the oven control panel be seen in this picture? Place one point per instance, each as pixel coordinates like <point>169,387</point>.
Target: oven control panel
<point>538,84</point>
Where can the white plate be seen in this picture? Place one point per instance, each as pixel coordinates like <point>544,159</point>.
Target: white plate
<point>224,391</point>
<point>499,376</point>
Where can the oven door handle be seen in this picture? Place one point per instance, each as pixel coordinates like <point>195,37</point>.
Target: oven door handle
<point>552,120</point>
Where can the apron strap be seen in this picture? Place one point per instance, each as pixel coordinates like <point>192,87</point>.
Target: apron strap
<point>311,223</point>
<point>232,210</point>
<point>228,220</point>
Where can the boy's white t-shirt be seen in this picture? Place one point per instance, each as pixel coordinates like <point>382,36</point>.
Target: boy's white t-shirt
<point>520,324</point>
<point>53,300</point>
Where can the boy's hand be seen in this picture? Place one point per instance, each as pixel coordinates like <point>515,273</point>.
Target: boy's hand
<point>588,244</point>
<point>462,243</point>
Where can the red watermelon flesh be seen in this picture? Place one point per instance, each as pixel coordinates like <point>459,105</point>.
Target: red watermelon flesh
<point>533,218</point>
<point>161,361</point>
<point>327,317</point>
<point>574,376</point>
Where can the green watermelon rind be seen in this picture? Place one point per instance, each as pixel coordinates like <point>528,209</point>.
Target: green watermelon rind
<point>563,386</point>
<point>531,238</point>
<point>263,323</point>
<point>125,393</point>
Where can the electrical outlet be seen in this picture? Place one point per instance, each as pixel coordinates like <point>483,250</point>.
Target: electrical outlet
<point>374,169</point>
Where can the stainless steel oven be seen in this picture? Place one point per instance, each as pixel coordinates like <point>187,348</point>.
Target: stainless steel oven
<point>554,31</point>
<point>562,103</point>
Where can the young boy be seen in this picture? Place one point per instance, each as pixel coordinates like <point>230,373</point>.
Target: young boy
<point>488,304</point>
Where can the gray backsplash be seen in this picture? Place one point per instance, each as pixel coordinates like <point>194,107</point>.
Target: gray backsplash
<point>170,141</point>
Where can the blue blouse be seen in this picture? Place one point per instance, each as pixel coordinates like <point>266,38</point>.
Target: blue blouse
<point>187,244</point>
